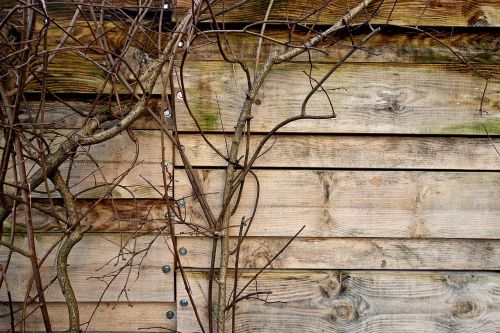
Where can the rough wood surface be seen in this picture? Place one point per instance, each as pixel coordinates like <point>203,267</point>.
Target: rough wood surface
<point>299,151</point>
<point>402,204</point>
<point>406,12</point>
<point>360,301</point>
<point>353,253</point>
<point>367,98</point>
<point>358,203</point>
<point>124,215</point>
<point>64,116</point>
<point>398,45</point>
<point>329,151</point>
<point>97,256</point>
<point>109,317</point>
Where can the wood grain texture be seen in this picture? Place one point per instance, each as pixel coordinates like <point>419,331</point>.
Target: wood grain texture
<point>65,116</point>
<point>358,203</point>
<point>97,256</point>
<point>401,204</point>
<point>367,98</point>
<point>353,253</point>
<point>360,301</point>
<point>391,44</point>
<point>124,215</point>
<point>109,317</point>
<point>299,151</point>
<point>406,12</point>
<point>94,169</point>
<point>323,151</point>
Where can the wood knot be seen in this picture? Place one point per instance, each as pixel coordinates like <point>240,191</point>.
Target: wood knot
<point>479,19</point>
<point>343,311</point>
<point>464,309</point>
<point>331,286</point>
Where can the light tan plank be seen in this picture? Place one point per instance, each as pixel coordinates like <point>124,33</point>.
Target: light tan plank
<point>330,203</point>
<point>353,253</point>
<point>358,203</point>
<point>362,301</point>
<point>109,317</point>
<point>406,12</point>
<point>114,158</point>
<point>367,98</point>
<point>322,151</point>
<point>96,256</point>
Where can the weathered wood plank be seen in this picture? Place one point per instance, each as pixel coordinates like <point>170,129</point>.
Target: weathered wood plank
<point>358,203</point>
<point>114,158</point>
<point>330,203</point>
<point>359,301</point>
<point>67,116</point>
<point>322,151</point>
<point>94,257</point>
<point>109,317</point>
<point>124,215</point>
<point>404,99</point>
<point>353,253</point>
<point>367,98</point>
<point>396,45</point>
<point>406,12</point>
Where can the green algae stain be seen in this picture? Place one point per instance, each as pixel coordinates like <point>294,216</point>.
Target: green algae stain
<point>491,127</point>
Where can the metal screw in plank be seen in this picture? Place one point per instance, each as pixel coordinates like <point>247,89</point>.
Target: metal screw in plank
<point>183,251</point>
<point>183,302</point>
<point>165,269</point>
<point>170,315</point>
<point>181,202</point>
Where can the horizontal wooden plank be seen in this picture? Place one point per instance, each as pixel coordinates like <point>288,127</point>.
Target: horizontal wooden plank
<point>358,203</point>
<point>353,253</point>
<point>397,45</point>
<point>325,151</point>
<point>358,301</point>
<point>92,263</point>
<point>402,204</point>
<point>405,12</point>
<point>109,317</point>
<point>73,114</point>
<point>404,99</point>
<point>124,215</point>
<point>367,98</point>
<point>114,158</point>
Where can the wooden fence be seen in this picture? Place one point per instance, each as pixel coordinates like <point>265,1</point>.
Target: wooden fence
<point>400,195</point>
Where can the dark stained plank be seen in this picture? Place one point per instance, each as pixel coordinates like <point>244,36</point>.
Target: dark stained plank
<point>367,98</point>
<point>97,255</point>
<point>353,253</point>
<point>109,317</point>
<point>358,203</point>
<point>123,215</point>
<point>405,12</point>
<point>395,45</point>
<point>359,301</point>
